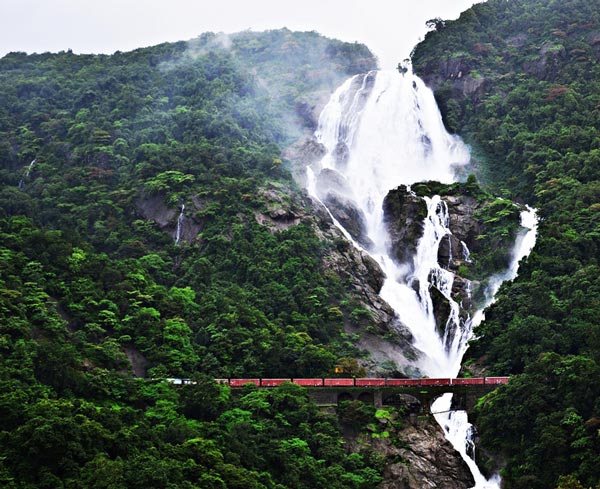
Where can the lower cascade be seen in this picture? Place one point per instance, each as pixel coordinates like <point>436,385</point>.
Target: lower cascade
<point>379,131</point>
<point>179,224</point>
<point>459,432</point>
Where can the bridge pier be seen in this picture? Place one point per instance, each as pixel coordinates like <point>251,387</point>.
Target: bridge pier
<point>378,399</point>
<point>324,397</point>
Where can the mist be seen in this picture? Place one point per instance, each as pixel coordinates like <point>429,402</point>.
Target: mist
<point>390,28</point>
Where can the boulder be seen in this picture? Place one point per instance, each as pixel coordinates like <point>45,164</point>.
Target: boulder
<point>441,309</point>
<point>463,223</point>
<point>304,152</point>
<point>153,208</point>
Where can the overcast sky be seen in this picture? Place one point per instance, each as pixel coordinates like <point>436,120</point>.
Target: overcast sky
<point>389,27</point>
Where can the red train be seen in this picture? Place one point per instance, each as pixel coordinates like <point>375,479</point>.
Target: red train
<point>361,382</point>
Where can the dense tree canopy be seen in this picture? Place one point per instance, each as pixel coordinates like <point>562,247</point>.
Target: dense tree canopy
<point>102,159</point>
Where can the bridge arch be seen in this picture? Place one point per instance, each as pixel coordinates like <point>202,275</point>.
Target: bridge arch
<point>403,400</point>
<point>344,396</point>
<point>366,397</point>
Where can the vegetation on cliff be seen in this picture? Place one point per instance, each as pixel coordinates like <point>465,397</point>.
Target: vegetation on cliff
<point>519,81</point>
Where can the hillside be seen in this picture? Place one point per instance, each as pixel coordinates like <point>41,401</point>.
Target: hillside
<point>150,229</point>
<point>99,156</point>
<point>519,81</point>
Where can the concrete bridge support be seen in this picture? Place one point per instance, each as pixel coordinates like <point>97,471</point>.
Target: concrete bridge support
<point>415,399</point>
<point>325,396</point>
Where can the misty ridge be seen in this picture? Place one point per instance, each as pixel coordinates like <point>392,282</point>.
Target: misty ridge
<point>291,74</point>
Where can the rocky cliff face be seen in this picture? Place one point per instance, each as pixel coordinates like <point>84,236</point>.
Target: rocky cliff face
<point>302,153</point>
<point>331,186</point>
<point>368,319</point>
<point>428,460</point>
<point>335,193</point>
<point>155,209</point>
<point>481,234</point>
<point>404,213</point>
<point>380,334</point>
<point>416,454</point>
<point>458,73</point>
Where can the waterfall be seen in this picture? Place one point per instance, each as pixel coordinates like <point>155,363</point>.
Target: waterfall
<point>459,432</point>
<point>523,245</point>
<point>455,424</point>
<point>27,173</point>
<point>179,224</point>
<point>381,130</point>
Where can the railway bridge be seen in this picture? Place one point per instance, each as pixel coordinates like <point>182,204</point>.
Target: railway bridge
<point>415,394</point>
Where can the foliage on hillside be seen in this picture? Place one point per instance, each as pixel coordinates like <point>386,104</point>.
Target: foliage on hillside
<point>146,434</point>
<point>97,156</point>
<point>520,80</point>
<point>295,70</point>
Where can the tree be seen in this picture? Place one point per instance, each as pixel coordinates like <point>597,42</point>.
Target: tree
<point>436,24</point>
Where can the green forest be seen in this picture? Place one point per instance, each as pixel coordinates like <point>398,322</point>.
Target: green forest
<point>520,82</point>
<point>146,233</point>
<point>98,155</point>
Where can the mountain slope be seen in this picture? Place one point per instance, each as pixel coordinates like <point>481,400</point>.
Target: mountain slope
<point>149,228</point>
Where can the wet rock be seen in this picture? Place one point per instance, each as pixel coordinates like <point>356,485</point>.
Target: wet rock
<point>304,152</point>
<point>334,192</point>
<point>431,461</point>
<point>462,292</point>
<point>441,309</point>
<point>349,216</point>
<point>403,214</point>
<point>138,362</point>
<point>341,154</point>
<point>374,276</point>
<point>450,252</point>
<point>154,208</point>
<point>330,181</point>
<point>463,223</point>
<point>379,332</point>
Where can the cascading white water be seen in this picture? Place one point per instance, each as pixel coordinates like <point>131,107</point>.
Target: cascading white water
<point>179,224</point>
<point>523,246</point>
<point>382,130</point>
<point>459,432</point>
<point>27,173</point>
<point>455,423</point>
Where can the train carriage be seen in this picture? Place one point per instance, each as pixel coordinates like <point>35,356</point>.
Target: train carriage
<point>427,382</point>
<point>496,380</point>
<point>242,382</point>
<point>402,382</point>
<point>308,382</point>
<point>370,382</point>
<point>360,382</point>
<point>338,382</point>
<point>468,381</point>
<point>273,382</point>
